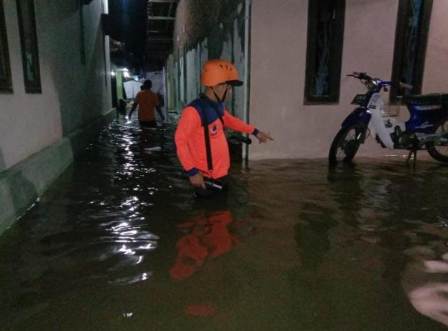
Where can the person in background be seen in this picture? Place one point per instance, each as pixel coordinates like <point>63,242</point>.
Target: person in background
<point>200,138</point>
<point>148,102</point>
<point>121,108</point>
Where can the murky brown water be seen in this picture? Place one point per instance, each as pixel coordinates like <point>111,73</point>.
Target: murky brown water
<point>119,243</point>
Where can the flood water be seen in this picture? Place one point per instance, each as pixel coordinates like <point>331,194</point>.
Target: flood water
<point>119,243</point>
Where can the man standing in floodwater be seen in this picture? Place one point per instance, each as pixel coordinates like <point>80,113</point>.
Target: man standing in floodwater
<point>200,138</point>
<point>147,102</point>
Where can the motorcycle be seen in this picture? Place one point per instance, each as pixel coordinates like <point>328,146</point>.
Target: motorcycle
<point>426,129</point>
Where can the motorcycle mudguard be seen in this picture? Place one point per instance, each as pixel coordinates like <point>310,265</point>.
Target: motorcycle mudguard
<point>359,115</point>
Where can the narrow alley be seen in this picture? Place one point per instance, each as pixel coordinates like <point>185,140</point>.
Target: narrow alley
<point>223,165</point>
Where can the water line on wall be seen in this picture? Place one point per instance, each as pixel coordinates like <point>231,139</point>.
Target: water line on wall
<point>247,27</point>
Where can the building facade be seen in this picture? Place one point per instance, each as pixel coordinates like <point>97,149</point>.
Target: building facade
<point>298,54</point>
<point>54,82</point>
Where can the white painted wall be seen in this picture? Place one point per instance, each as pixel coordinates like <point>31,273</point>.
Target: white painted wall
<point>278,64</point>
<point>72,95</point>
<point>28,122</point>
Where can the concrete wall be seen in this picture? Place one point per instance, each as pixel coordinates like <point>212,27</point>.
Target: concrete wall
<point>73,94</point>
<point>41,133</point>
<point>205,29</point>
<point>278,63</point>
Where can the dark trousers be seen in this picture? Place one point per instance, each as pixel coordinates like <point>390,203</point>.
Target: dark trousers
<point>150,124</point>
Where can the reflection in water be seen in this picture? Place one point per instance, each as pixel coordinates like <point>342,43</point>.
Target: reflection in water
<point>205,237</point>
<point>425,281</point>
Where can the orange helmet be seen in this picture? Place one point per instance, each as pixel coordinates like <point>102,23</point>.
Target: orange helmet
<point>215,72</point>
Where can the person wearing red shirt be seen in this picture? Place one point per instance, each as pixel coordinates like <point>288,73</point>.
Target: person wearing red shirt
<point>147,102</point>
<point>200,139</point>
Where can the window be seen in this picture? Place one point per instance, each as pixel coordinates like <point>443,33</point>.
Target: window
<point>28,41</point>
<point>324,51</point>
<point>5,68</point>
<point>82,33</point>
<point>410,45</point>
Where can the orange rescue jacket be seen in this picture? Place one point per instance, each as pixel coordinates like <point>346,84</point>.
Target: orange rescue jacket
<point>190,137</point>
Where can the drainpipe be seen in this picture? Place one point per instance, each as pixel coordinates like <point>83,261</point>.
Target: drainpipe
<point>165,91</point>
<point>247,22</point>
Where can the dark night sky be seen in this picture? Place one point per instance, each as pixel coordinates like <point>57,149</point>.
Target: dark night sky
<point>128,25</point>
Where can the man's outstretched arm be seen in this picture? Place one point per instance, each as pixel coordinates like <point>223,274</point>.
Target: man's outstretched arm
<point>236,124</point>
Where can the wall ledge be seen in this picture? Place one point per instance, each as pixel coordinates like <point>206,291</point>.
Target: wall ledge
<point>22,184</point>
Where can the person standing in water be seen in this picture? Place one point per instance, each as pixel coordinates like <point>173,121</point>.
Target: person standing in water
<point>200,138</point>
<point>148,102</point>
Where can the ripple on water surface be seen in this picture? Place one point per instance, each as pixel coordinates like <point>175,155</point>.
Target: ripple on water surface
<point>119,243</point>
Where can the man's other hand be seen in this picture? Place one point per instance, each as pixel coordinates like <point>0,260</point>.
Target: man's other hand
<point>197,180</point>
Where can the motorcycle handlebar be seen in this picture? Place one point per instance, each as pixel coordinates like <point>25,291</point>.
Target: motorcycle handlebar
<point>365,76</point>
<point>371,82</point>
<point>360,75</point>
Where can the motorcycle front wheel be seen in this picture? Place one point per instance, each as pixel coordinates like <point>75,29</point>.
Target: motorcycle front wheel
<point>346,143</point>
<point>439,152</point>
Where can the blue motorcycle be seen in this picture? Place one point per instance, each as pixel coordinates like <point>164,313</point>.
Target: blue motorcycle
<point>426,129</point>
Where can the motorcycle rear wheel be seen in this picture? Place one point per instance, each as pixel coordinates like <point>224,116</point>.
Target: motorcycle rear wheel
<point>346,143</point>
<point>439,153</point>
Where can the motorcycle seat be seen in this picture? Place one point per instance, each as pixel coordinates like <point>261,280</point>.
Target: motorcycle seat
<point>428,99</point>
